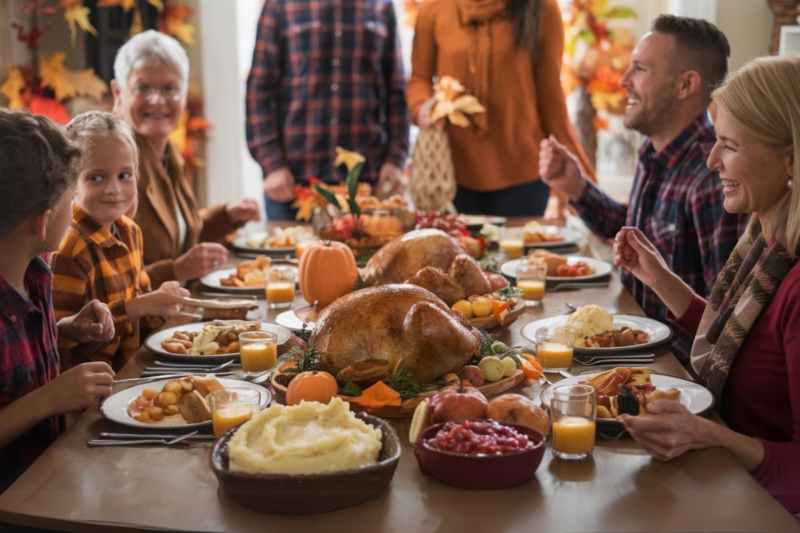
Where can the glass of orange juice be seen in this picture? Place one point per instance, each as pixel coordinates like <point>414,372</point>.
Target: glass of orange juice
<point>572,414</point>
<point>258,351</point>
<point>531,279</point>
<point>301,241</point>
<point>280,286</point>
<point>231,407</point>
<point>555,347</point>
<point>512,242</point>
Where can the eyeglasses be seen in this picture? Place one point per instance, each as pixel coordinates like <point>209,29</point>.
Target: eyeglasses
<point>170,92</point>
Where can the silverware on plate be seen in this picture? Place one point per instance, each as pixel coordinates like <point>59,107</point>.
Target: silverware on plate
<point>615,361</point>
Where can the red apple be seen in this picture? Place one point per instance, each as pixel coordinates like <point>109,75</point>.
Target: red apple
<point>453,404</point>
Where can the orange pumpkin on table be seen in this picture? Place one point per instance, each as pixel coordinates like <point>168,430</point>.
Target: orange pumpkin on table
<point>327,271</point>
<point>311,387</point>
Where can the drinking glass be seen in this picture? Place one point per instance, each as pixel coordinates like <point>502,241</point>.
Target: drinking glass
<point>573,409</point>
<point>301,241</point>
<point>512,242</point>
<point>231,407</point>
<point>258,351</point>
<point>555,347</point>
<point>280,286</point>
<point>531,279</point>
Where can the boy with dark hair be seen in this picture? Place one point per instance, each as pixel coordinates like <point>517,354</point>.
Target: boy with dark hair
<point>38,167</point>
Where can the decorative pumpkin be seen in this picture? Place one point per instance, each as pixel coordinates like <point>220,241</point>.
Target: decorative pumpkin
<point>327,271</point>
<point>312,387</point>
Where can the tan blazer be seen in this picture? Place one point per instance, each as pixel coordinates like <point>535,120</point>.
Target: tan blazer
<point>159,195</point>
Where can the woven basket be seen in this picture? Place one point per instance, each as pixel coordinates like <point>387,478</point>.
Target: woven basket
<point>432,181</point>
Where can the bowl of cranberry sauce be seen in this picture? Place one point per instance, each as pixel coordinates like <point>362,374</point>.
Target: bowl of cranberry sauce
<point>480,454</point>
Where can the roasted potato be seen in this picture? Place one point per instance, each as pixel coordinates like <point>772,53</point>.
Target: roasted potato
<point>173,386</point>
<point>150,394</point>
<point>167,398</point>
<point>155,413</point>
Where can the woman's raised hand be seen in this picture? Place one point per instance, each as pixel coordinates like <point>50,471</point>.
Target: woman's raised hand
<point>633,251</point>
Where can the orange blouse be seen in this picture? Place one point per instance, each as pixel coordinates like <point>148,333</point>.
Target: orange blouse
<point>525,102</point>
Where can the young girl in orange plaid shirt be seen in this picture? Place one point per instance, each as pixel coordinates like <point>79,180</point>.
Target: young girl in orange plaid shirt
<point>101,255</point>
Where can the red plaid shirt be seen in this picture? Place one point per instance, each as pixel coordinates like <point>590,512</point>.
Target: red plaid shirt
<point>677,203</point>
<point>28,360</point>
<point>325,74</point>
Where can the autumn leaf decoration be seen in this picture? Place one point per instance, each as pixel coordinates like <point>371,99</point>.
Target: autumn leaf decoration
<point>77,15</point>
<point>69,83</point>
<point>176,24</point>
<point>13,87</point>
<point>451,102</point>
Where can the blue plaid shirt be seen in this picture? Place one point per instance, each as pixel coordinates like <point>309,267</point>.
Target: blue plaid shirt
<point>327,73</point>
<point>677,203</point>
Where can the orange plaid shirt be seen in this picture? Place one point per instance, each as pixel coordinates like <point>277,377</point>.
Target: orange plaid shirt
<point>93,264</point>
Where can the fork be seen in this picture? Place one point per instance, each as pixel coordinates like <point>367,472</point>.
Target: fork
<point>574,285</point>
<point>171,442</point>
<point>596,361</point>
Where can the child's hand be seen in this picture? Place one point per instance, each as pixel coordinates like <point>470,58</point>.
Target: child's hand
<point>78,388</point>
<point>166,302</point>
<point>92,324</point>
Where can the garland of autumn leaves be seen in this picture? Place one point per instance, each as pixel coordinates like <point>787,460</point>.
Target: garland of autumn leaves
<point>45,85</point>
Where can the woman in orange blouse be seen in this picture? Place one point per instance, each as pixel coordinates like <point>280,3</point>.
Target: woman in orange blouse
<point>508,54</point>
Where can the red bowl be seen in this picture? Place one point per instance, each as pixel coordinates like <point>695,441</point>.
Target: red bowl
<point>480,472</point>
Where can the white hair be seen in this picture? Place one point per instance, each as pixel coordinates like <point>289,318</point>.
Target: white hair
<point>151,49</point>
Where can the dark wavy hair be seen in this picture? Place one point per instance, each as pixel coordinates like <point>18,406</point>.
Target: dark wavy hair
<point>38,164</point>
<point>525,20</point>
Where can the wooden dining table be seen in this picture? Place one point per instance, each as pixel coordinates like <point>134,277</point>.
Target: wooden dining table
<point>620,488</point>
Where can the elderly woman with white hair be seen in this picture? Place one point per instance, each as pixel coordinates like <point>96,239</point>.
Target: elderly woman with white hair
<point>181,242</point>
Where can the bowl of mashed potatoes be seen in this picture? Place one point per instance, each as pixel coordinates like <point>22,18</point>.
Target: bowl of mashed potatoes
<point>307,458</point>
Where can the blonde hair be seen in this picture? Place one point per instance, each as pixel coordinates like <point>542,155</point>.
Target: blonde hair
<point>763,98</point>
<point>88,128</point>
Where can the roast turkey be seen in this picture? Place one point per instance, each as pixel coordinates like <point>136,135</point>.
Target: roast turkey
<point>403,257</point>
<point>394,326</point>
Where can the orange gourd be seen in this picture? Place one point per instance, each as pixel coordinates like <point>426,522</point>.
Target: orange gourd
<point>327,271</point>
<point>311,387</point>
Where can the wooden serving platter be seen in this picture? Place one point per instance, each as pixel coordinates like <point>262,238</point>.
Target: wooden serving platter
<point>406,408</point>
<point>489,322</point>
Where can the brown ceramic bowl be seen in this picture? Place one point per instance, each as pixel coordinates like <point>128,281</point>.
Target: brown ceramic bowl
<point>309,493</point>
<point>480,472</point>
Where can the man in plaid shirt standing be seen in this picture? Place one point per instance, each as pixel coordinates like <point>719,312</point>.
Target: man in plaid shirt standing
<point>676,199</point>
<point>326,73</point>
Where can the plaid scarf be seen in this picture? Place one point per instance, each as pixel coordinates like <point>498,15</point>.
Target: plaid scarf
<point>744,287</point>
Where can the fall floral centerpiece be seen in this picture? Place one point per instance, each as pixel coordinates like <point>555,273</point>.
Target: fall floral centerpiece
<point>351,215</point>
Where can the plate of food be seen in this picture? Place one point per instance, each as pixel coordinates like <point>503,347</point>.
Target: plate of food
<point>292,322</point>
<point>476,222</point>
<point>536,235</point>
<point>630,389</point>
<point>598,332</point>
<point>246,278</point>
<point>172,403</point>
<point>280,242</point>
<point>208,342</point>
<point>561,268</point>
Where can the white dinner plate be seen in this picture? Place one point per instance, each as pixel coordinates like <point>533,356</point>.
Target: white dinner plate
<point>241,243</point>
<point>115,407</point>
<point>601,269</point>
<point>153,343</point>
<point>659,332</point>
<point>476,222</point>
<point>212,281</point>
<point>697,399</point>
<point>571,236</point>
<point>291,321</point>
